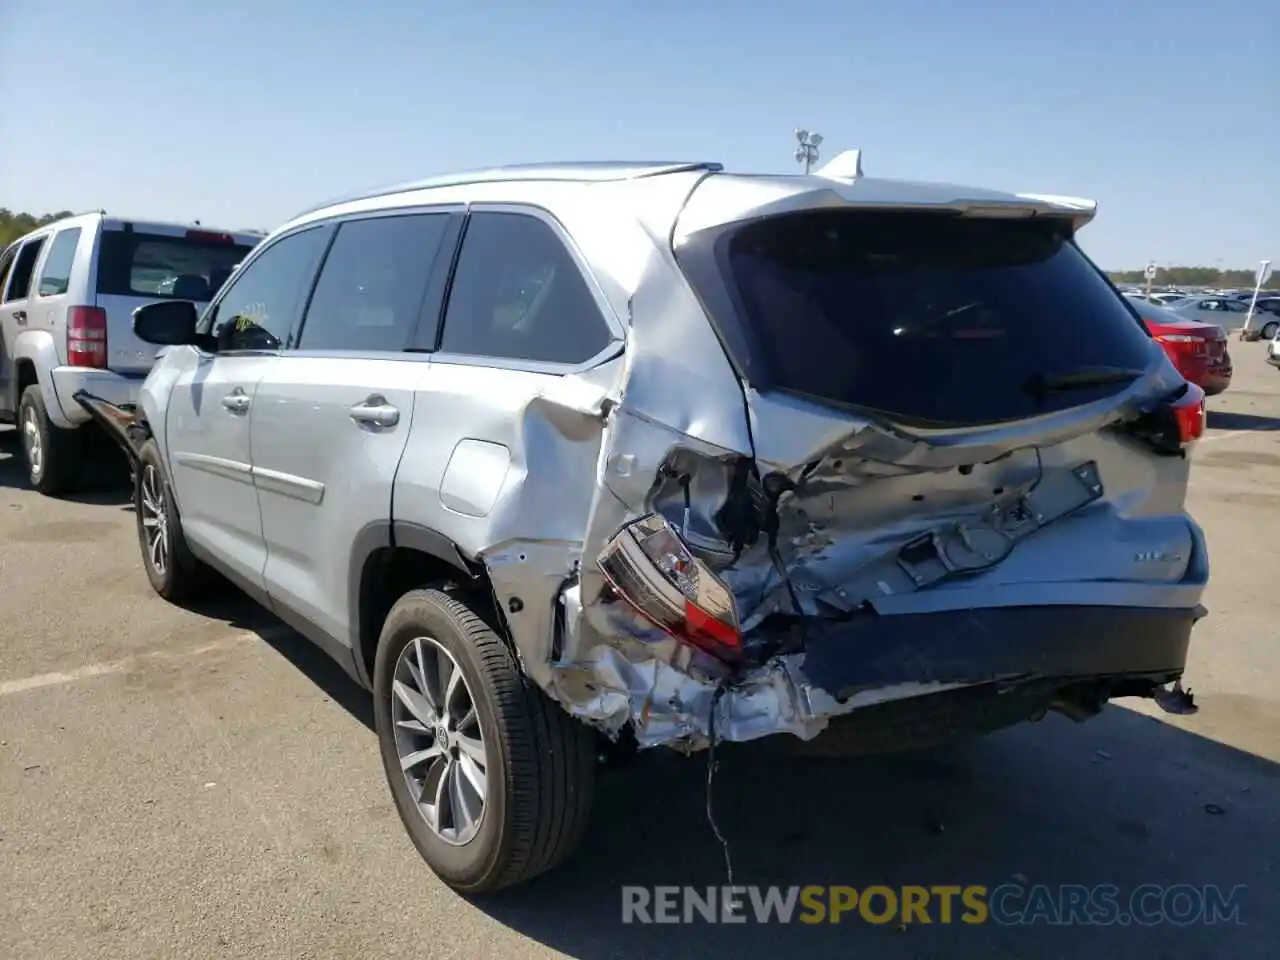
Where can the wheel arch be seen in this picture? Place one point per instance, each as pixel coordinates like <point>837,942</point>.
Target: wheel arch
<point>34,356</point>
<point>390,558</point>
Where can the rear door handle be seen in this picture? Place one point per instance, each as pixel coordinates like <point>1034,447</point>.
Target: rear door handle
<point>20,316</point>
<point>375,412</point>
<point>237,401</point>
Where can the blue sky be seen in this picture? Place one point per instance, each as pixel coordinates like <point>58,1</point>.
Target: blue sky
<point>242,112</point>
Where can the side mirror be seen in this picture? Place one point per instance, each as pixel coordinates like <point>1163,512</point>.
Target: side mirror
<point>168,323</point>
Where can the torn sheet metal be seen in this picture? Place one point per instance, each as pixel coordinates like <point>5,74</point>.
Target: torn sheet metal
<point>664,688</point>
<point>667,706</point>
<point>120,423</point>
<point>828,574</point>
<point>826,539</point>
<point>801,551</point>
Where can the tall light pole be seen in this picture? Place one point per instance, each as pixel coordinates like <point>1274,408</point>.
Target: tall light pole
<point>807,147</point>
<point>1259,278</point>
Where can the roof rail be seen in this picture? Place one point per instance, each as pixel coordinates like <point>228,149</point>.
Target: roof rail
<point>588,171</point>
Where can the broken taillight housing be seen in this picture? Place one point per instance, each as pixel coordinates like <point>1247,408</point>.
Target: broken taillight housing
<point>649,566</point>
<point>1189,414</point>
<point>1174,424</point>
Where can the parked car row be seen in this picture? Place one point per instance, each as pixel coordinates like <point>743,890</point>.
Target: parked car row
<point>1170,295</point>
<point>1197,349</point>
<point>67,295</point>
<point>1229,311</point>
<point>557,459</point>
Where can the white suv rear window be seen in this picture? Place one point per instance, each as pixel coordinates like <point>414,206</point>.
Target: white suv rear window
<point>140,264</point>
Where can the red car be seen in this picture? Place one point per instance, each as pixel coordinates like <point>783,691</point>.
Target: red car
<point>1198,350</point>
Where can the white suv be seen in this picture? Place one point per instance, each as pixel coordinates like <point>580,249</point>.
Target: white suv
<point>67,294</point>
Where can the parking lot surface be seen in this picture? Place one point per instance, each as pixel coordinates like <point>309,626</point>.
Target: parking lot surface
<point>203,783</point>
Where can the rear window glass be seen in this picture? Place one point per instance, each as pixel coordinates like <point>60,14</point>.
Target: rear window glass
<point>138,264</point>
<point>930,318</point>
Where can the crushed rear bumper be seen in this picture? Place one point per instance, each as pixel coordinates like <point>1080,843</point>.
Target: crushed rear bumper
<point>874,660</point>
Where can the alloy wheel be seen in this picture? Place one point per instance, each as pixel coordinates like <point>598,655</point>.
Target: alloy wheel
<point>155,519</point>
<point>438,740</point>
<point>32,444</point>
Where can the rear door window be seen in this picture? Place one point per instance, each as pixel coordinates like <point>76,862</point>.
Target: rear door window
<point>23,268</point>
<point>55,276</point>
<point>518,294</point>
<point>925,317</point>
<point>134,263</point>
<point>373,283</point>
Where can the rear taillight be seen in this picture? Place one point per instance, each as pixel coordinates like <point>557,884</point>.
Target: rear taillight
<point>87,337</point>
<point>1170,427</point>
<point>652,569</point>
<point>1190,415</point>
<point>1182,341</point>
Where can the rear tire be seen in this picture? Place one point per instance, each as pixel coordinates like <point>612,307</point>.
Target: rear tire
<point>173,570</point>
<point>538,762</point>
<point>1269,329</point>
<point>54,457</point>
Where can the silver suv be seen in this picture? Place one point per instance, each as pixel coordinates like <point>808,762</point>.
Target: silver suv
<point>550,457</point>
<point>67,294</point>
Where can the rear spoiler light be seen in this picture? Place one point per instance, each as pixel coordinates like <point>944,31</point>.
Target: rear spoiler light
<point>209,236</point>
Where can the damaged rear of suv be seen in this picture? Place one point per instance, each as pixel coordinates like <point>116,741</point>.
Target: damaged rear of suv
<point>962,485</point>
<point>661,454</point>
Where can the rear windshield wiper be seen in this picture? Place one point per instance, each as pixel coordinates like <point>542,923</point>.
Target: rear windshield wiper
<point>1080,379</point>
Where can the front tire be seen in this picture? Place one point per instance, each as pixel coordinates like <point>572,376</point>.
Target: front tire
<point>492,780</point>
<point>174,572</point>
<point>1269,329</point>
<point>54,457</point>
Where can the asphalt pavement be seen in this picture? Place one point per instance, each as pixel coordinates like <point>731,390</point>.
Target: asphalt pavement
<point>203,783</point>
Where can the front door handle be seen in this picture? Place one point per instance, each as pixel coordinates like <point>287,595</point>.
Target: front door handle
<point>375,412</point>
<point>237,401</point>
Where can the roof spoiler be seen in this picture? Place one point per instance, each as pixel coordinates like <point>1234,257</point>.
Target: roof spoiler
<point>843,166</point>
<point>847,166</point>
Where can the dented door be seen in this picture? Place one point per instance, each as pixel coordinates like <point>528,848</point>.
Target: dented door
<point>508,419</point>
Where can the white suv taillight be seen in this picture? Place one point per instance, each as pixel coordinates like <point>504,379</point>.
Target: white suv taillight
<point>87,337</point>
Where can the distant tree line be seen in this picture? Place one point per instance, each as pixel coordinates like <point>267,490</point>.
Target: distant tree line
<point>13,225</point>
<point>1188,277</point>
